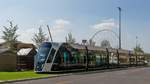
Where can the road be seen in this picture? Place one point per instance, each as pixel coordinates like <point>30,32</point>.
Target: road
<point>129,76</point>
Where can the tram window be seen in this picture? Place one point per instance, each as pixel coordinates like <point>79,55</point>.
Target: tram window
<point>92,58</point>
<point>81,58</point>
<point>97,59</point>
<point>101,58</point>
<point>113,57</point>
<point>78,57</point>
<point>42,54</point>
<point>51,55</point>
<point>65,57</point>
<point>75,58</point>
<point>58,58</point>
<point>84,58</point>
<point>104,58</point>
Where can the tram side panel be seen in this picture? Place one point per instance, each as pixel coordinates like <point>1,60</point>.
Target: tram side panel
<point>70,58</point>
<point>113,59</point>
<point>140,59</point>
<point>97,59</point>
<point>124,58</point>
<point>132,60</point>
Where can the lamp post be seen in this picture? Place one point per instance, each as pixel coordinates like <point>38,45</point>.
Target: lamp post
<point>119,27</point>
<point>136,41</point>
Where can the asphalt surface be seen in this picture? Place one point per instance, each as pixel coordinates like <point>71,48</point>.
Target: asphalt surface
<point>129,76</point>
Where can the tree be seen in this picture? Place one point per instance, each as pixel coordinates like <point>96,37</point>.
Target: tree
<point>138,49</point>
<point>9,35</point>
<point>70,39</point>
<point>39,37</point>
<point>105,44</point>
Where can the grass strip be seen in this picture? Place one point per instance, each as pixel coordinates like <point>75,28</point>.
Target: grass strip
<point>22,75</point>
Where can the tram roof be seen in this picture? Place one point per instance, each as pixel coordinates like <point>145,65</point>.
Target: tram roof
<point>123,51</point>
<point>97,48</point>
<point>112,50</point>
<point>77,46</point>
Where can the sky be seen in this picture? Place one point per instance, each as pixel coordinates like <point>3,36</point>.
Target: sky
<point>80,17</point>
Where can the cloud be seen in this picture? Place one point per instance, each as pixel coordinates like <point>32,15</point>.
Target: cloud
<point>106,24</point>
<point>60,23</point>
<point>41,22</point>
<point>26,35</point>
<point>59,28</point>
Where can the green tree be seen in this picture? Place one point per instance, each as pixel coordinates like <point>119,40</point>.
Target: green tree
<point>10,35</point>
<point>105,44</point>
<point>138,49</point>
<point>39,37</point>
<point>70,39</point>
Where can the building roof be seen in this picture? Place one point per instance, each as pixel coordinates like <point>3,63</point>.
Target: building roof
<point>24,51</point>
<point>2,50</point>
<point>24,45</point>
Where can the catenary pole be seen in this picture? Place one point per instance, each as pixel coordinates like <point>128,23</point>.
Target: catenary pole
<point>49,33</point>
<point>119,27</point>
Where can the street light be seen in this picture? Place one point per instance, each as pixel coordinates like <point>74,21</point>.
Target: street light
<point>119,27</point>
<point>136,41</point>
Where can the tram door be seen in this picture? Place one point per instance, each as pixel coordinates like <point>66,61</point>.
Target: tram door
<point>66,59</point>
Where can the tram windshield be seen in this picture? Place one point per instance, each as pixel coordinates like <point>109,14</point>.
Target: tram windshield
<point>42,55</point>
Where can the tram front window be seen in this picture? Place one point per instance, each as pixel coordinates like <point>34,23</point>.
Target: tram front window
<point>43,52</point>
<point>42,55</point>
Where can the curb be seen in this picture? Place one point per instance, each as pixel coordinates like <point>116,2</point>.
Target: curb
<point>28,79</point>
<point>88,72</point>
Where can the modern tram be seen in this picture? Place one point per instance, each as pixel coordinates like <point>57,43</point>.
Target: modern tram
<point>52,56</point>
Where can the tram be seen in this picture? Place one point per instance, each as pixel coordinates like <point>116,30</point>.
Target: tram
<point>53,56</point>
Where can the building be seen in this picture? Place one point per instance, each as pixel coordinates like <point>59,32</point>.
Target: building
<point>21,59</point>
<point>25,56</point>
<point>8,60</point>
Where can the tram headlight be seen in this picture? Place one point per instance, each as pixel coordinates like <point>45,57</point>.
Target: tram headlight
<point>42,60</point>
